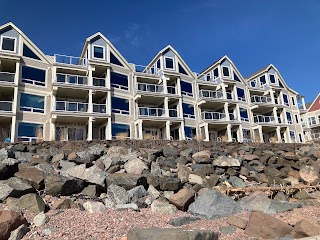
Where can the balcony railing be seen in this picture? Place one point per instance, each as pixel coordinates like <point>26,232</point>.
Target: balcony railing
<point>65,106</point>
<point>211,79</point>
<point>99,82</point>
<point>122,87</point>
<point>99,108</point>
<point>31,109</point>
<point>148,87</point>
<point>264,119</point>
<point>6,106</point>
<point>261,99</point>
<point>256,84</point>
<point>120,111</point>
<point>70,60</point>
<point>147,70</point>
<point>173,113</point>
<point>29,139</point>
<point>210,94</point>
<point>186,115</point>
<point>33,82</point>
<point>171,90</point>
<point>151,112</point>
<point>7,77</point>
<point>187,93</point>
<point>315,136</point>
<point>213,116</point>
<point>71,79</point>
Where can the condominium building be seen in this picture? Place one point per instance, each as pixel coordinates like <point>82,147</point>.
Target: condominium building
<point>99,95</point>
<point>311,120</point>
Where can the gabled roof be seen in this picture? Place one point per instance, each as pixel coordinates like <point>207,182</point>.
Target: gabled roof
<point>34,46</point>
<point>266,69</point>
<point>313,103</point>
<point>221,60</point>
<point>169,47</point>
<point>99,34</point>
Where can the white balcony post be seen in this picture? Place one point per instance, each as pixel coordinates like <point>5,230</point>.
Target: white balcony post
<point>90,123</point>
<point>261,134</point>
<point>235,93</point>
<point>90,104</point>
<point>182,135</point>
<point>272,96</point>
<point>17,73</point>
<point>178,86</point>
<point>54,102</point>
<point>109,129</point>
<point>15,100</point>
<point>166,107</point>
<point>275,115</point>
<point>168,130</point>
<point>226,111</point>
<point>180,109</point>
<point>240,133</point>
<point>140,130</point>
<point>165,85</point>
<point>13,129</point>
<point>90,78</point>
<point>280,101</point>
<point>229,133</point>
<point>303,103</point>
<point>278,134</point>
<point>224,91</point>
<point>206,132</point>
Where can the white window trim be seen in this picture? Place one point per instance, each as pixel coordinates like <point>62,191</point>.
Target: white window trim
<point>15,44</point>
<point>40,68</point>
<point>165,63</point>
<point>293,100</point>
<point>39,123</point>
<point>229,69</point>
<point>215,77</point>
<point>275,79</point>
<point>44,102</point>
<point>259,79</point>
<point>104,52</point>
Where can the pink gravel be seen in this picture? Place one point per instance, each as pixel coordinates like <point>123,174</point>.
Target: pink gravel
<point>112,224</point>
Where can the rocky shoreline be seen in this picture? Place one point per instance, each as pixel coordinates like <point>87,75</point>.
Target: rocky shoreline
<point>187,182</point>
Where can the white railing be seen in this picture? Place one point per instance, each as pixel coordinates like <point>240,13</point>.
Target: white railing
<point>151,111</point>
<point>244,119</point>
<point>213,116</point>
<point>229,95</point>
<point>171,90</point>
<point>148,70</point>
<point>6,106</point>
<point>31,109</point>
<point>33,82</point>
<point>99,108</point>
<point>120,111</point>
<point>99,82</point>
<point>7,77</point>
<point>149,87</point>
<point>210,94</point>
<point>260,99</point>
<point>211,79</point>
<point>71,79</point>
<point>315,135</point>
<point>29,139</point>
<point>186,115</point>
<point>173,113</point>
<point>65,106</point>
<point>256,84</point>
<point>70,60</point>
<point>119,86</point>
<point>187,94</point>
<point>264,119</point>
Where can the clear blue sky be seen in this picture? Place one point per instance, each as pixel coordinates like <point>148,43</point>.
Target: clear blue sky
<point>253,33</point>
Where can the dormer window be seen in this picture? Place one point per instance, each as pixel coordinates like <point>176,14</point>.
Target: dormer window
<point>272,78</point>
<point>169,63</point>
<point>263,80</point>
<point>98,52</point>
<point>226,71</point>
<point>8,44</point>
<point>215,73</point>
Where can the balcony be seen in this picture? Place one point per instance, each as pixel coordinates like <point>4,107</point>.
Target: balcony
<point>70,60</point>
<point>315,136</point>
<point>151,112</point>
<point>99,108</point>
<point>173,113</point>
<point>261,99</point>
<point>148,87</point>
<point>71,79</point>
<point>99,82</point>
<point>33,82</point>
<point>210,94</point>
<point>7,77</point>
<point>257,85</point>
<point>264,119</point>
<point>171,90</point>
<point>120,111</point>
<point>216,116</point>
<point>148,70</point>
<point>215,80</point>
<point>187,115</point>
<point>65,106</point>
<point>6,106</point>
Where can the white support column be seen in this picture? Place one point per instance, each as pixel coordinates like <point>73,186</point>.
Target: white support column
<point>90,78</point>
<point>165,85</point>
<point>17,73</point>
<point>303,103</point>
<point>275,114</point>
<point>140,129</point>
<point>224,91</point>
<point>90,105</point>
<point>182,135</point>
<point>235,93</point>
<point>226,111</point>
<point>280,101</point>
<point>13,128</point>
<point>109,129</point>
<point>108,79</point>
<point>272,96</point>
<point>53,102</point>
<point>238,112</point>
<point>52,131</point>
<point>90,128</point>
<point>168,130</point>
<point>229,133</point>
<point>240,134</point>
<point>180,108</point>
<point>278,134</point>
<point>206,132</point>
<point>178,88</point>
<point>166,106</point>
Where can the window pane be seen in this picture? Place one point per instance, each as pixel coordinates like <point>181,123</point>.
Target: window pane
<point>117,78</point>
<point>216,73</point>
<point>187,108</point>
<point>8,44</point>
<point>263,80</point>
<point>226,71</point>
<point>169,63</point>
<point>114,60</point>
<point>32,101</point>
<point>241,94</point>
<point>189,132</point>
<point>29,129</point>
<point>98,52</point>
<point>244,113</point>
<point>120,128</point>
<point>181,70</point>
<point>272,78</point>
<point>27,52</point>
<point>235,76</point>
<point>186,87</point>
<point>120,103</point>
<point>158,64</point>
<point>33,74</point>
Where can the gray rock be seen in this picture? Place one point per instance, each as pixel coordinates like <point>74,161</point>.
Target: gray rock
<point>155,169</point>
<point>227,230</point>
<point>107,161</point>
<point>118,194</point>
<point>57,184</point>
<point>94,207</point>
<point>32,202</point>
<point>93,174</point>
<point>308,174</point>
<point>170,233</point>
<point>3,154</point>
<point>282,206</point>
<point>23,156</point>
<point>40,219</point>
<point>153,192</point>
<point>109,203</point>
<point>64,203</point>
<point>96,149</point>
<point>237,182</point>
<point>135,166</point>
<point>187,152</point>
<point>224,161</point>
<point>202,157</point>
<point>162,207</point>
<point>5,191</point>
<point>183,172</point>
<point>91,191</point>
<point>177,222</point>
<point>47,231</point>
<point>20,186</point>
<point>58,157</point>
<point>213,204</point>
<point>257,201</point>
<point>127,180</point>
<point>127,206</point>
<point>137,192</point>
<point>19,233</point>
<point>65,165</point>
<point>170,152</point>
<point>169,183</point>
<point>32,174</point>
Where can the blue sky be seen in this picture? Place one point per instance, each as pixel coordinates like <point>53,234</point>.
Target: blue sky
<point>252,33</point>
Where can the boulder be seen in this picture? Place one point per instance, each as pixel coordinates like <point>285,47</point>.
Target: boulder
<point>169,183</point>
<point>91,191</point>
<point>116,151</point>
<point>237,222</point>
<point>94,207</point>
<point>137,192</point>
<point>250,157</point>
<point>135,166</point>
<point>153,192</point>
<point>9,221</point>
<point>177,222</point>
<point>265,226</point>
<point>182,199</point>
<point>58,157</point>
<point>93,174</point>
<point>183,172</point>
<point>224,161</point>
<point>170,233</point>
<point>195,179</point>
<point>5,191</point>
<point>63,204</point>
<point>57,184</point>
<point>170,152</point>
<point>20,186</point>
<point>33,174</point>
<point>118,194</point>
<point>308,174</point>
<point>19,232</point>
<point>32,202</point>
<point>304,228</point>
<point>213,204</point>
<point>127,180</point>
<point>162,207</point>
<point>256,201</point>
<point>3,154</point>
<point>202,157</point>
<point>127,206</point>
<point>227,229</point>
<point>40,219</point>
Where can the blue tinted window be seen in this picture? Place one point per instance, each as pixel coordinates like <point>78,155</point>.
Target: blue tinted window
<point>235,77</point>
<point>169,63</point>
<point>181,70</point>
<point>225,71</point>
<point>272,78</point>
<point>115,60</point>
<point>216,73</point>
<point>190,132</point>
<point>120,103</point>
<point>289,117</point>
<point>8,44</point>
<point>98,52</point>
<point>120,128</point>
<point>241,94</point>
<point>158,64</point>
<point>187,108</point>
<point>285,99</point>
<point>186,87</point>
<point>244,113</point>
<point>263,80</point>
<point>33,74</point>
<point>28,129</point>
<point>280,83</point>
<point>117,78</point>
<point>27,52</point>
<point>29,102</point>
